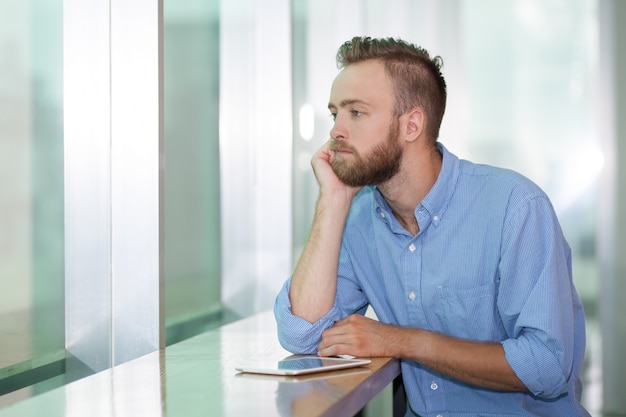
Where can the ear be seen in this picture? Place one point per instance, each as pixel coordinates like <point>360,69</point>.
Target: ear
<point>414,124</point>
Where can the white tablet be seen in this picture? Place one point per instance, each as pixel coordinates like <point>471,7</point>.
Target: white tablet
<point>300,365</point>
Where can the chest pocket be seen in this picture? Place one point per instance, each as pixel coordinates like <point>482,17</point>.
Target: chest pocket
<point>470,313</point>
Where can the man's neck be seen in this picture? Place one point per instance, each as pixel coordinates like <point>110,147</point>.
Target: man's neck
<point>407,189</point>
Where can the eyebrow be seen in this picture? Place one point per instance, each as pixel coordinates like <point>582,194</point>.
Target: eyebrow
<point>348,102</point>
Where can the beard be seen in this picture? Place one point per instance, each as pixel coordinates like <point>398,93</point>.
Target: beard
<point>376,167</point>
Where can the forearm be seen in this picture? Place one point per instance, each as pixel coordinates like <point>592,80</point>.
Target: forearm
<point>478,363</point>
<point>314,281</point>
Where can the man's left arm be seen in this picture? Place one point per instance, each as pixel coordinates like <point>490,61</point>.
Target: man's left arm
<point>478,363</point>
<point>536,302</point>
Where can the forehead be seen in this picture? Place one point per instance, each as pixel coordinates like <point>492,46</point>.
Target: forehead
<point>364,81</point>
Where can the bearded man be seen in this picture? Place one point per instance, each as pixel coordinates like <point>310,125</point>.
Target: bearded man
<point>465,265</point>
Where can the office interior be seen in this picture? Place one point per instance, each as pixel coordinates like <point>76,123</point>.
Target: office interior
<point>170,185</point>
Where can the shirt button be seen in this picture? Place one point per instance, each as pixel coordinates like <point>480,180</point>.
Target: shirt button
<point>412,295</point>
<point>439,415</point>
<point>435,218</point>
<point>412,247</point>
<point>434,386</point>
<point>382,215</point>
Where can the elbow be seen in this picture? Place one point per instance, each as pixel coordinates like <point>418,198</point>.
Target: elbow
<point>542,372</point>
<point>551,389</point>
<point>295,335</point>
<point>295,345</point>
<point>542,383</point>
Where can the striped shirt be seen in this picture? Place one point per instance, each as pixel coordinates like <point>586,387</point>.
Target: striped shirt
<point>490,263</point>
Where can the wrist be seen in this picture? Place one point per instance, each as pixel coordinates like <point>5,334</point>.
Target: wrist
<point>339,201</point>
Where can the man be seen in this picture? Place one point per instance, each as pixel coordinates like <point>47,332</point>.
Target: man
<point>465,265</point>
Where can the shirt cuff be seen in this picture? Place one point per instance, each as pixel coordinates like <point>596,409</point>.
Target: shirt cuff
<point>296,334</point>
<point>536,366</point>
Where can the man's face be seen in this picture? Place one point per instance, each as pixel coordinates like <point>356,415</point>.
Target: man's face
<point>365,136</point>
<point>373,167</point>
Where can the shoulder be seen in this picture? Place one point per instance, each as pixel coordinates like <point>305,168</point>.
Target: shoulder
<point>501,181</point>
<point>504,195</point>
<point>473,180</point>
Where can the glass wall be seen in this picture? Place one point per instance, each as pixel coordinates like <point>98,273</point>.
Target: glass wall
<point>255,152</point>
<point>32,301</point>
<point>192,177</point>
<point>31,192</point>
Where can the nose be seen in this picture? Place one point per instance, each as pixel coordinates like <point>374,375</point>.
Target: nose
<point>338,131</point>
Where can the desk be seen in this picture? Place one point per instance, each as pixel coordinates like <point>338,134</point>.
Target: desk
<point>196,377</point>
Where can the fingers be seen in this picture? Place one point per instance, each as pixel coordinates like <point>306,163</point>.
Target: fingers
<point>347,336</point>
<point>334,341</point>
<point>339,348</point>
<point>326,177</point>
<point>323,153</point>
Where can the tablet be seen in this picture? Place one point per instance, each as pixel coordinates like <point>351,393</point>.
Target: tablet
<point>301,365</point>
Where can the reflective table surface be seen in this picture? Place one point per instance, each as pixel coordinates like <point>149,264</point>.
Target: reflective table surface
<point>197,377</point>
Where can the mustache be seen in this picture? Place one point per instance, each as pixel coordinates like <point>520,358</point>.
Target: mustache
<point>339,146</point>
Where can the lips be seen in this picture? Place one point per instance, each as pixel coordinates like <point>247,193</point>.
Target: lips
<point>340,148</point>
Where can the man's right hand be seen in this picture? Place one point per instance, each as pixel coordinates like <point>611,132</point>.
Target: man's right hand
<point>325,175</point>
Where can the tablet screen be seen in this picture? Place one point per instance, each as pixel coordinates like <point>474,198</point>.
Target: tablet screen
<point>300,365</point>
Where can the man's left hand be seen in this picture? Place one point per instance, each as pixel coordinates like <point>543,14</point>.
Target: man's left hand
<point>359,336</point>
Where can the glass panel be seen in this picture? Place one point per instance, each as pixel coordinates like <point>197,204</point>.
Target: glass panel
<point>31,193</point>
<point>255,153</point>
<point>192,192</point>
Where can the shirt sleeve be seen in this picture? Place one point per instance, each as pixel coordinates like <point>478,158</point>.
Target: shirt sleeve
<point>296,334</point>
<point>299,336</point>
<point>537,299</point>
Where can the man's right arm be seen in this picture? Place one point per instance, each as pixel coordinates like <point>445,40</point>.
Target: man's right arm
<point>314,281</point>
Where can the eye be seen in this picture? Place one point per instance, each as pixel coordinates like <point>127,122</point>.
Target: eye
<point>356,113</point>
<point>333,115</point>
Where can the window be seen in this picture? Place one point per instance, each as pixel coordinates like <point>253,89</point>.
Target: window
<point>31,193</point>
<point>192,178</point>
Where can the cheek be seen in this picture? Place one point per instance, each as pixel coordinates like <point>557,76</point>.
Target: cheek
<point>369,135</point>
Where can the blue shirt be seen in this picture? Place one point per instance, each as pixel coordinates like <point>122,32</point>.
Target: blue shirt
<point>490,263</point>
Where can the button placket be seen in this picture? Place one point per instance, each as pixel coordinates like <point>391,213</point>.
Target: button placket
<point>411,294</point>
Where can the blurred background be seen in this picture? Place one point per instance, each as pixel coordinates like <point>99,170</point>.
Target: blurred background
<point>532,86</point>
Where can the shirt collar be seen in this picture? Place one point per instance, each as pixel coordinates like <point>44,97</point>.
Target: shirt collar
<point>433,207</point>
<point>437,200</point>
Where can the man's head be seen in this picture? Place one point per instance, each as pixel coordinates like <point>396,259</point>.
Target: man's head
<point>380,164</point>
<point>416,77</point>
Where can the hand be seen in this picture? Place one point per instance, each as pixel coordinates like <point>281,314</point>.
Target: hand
<point>360,336</point>
<point>324,174</point>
